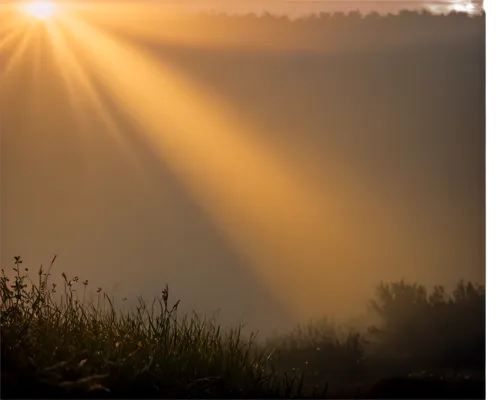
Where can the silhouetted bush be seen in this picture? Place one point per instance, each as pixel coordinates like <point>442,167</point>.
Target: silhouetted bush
<point>434,342</point>
<point>431,330</point>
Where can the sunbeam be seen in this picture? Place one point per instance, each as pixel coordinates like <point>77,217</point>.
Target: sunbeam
<point>286,226</point>
<point>300,234</point>
<point>84,96</point>
<point>20,41</point>
<point>169,25</point>
<point>27,22</point>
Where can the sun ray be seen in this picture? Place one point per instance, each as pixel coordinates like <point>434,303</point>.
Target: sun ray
<point>171,26</point>
<point>38,52</point>
<point>79,86</point>
<point>8,24</point>
<point>286,225</point>
<point>251,195</point>
<point>21,47</point>
<point>11,36</point>
<point>159,27</point>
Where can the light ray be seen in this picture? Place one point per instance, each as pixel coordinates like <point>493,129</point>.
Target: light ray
<point>21,47</point>
<point>36,59</point>
<point>11,34</point>
<point>281,224</point>
<point>79,86</point>
<point>171,26</point>
<point>8,25</point>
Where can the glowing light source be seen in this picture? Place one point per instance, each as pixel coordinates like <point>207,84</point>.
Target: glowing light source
<point>41,10</point>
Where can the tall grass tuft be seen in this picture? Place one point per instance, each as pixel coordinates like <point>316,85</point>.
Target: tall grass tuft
<point>72,347</point>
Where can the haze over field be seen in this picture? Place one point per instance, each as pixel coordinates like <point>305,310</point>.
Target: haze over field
<point>274,171</point>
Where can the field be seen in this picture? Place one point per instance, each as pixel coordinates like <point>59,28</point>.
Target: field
<point>72,348</point>
<point>384,116</point>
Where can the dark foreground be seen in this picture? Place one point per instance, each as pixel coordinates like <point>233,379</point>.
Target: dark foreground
<point>22,387</point>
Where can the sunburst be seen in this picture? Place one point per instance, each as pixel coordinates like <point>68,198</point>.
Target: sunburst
<point>41,10</point>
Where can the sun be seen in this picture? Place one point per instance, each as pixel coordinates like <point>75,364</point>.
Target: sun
<point>41,10</point>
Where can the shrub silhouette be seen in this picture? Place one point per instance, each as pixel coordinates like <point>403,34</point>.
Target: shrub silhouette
<point>425,345</point>
<point>433,330</point>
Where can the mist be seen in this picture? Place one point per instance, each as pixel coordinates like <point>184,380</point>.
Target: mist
<point>311,164</point>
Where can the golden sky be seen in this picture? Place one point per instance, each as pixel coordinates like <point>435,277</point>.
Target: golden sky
<point>273,185</point>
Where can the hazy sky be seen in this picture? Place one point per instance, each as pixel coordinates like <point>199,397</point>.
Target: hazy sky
<point>269,185</point>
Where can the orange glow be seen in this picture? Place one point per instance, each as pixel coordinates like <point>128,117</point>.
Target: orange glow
<point>294,235</point>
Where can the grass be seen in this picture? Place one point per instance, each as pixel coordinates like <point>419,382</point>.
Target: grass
<point>71,347</point>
